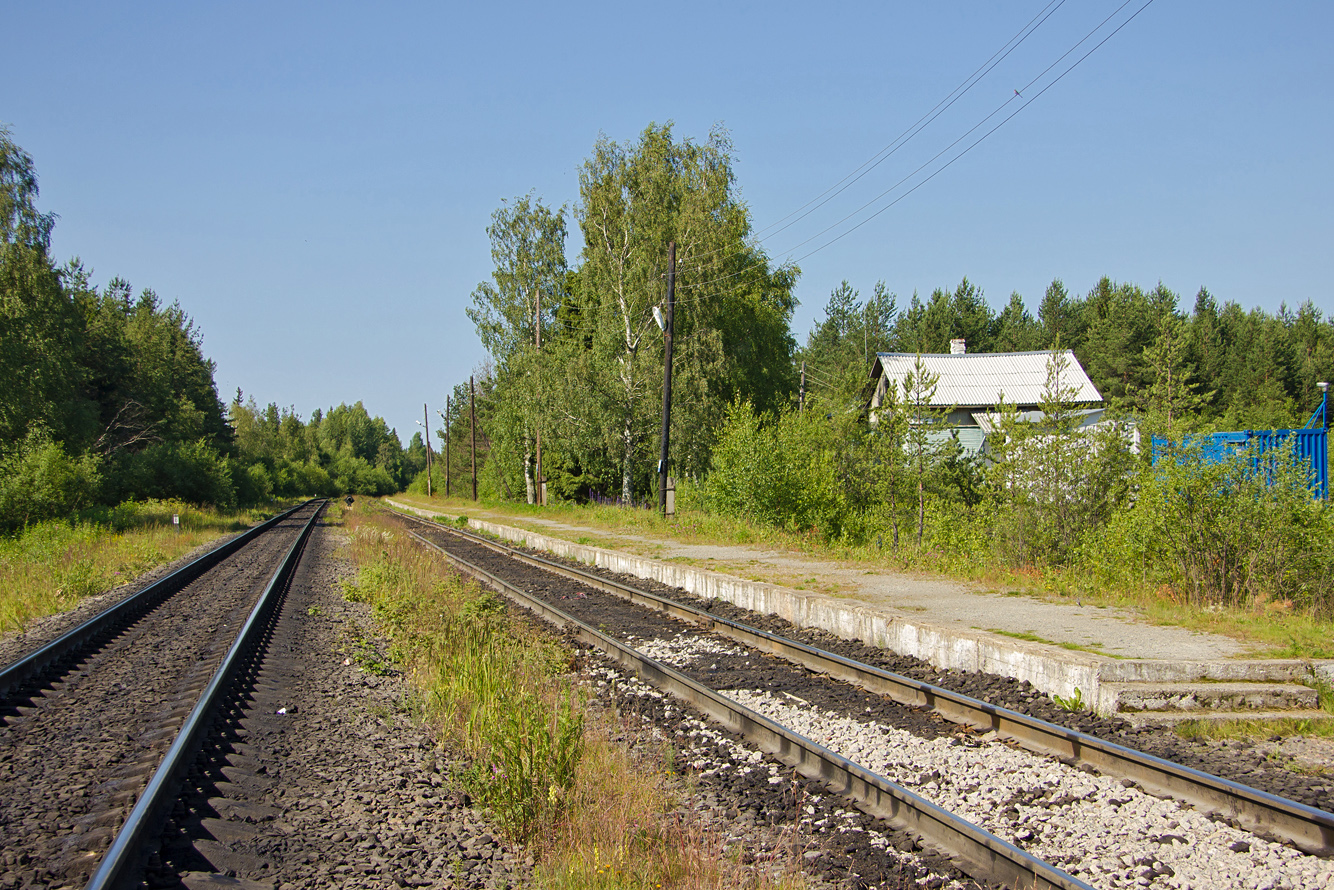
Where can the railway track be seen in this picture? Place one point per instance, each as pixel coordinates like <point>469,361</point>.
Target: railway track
<point>693,654</point>
<point>100,725</point>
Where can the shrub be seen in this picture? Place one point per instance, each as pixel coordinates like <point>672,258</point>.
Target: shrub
<point>192,471</point>
<point>1223,534</point>
<point>787,471</point>
<point>40,481</point>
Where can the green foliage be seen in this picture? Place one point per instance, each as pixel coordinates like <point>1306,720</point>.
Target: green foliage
<point>595,388</point>
<point>343,451</point>
<point>535,751</point>
<point>1073,703</point>
<point>849,336</point>
<point>1053,482</point>
<point>528,249</point>
<point>778,470</point>
<point>962,313</point>
<point>923,431</point>
<point>39,481</point>
<point>491,686</point>
<point>1221,535</point>
<point>192,471</point>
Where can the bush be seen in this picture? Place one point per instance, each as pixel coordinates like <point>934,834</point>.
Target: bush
<point>190,471</point>
<point>418,483</point>
<point>40,481</point>
<point>356,475</point>
<point>787,471</point>
<point>1223,534</point>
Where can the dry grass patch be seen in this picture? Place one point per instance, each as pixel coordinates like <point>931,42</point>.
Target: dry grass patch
<point>50,567</point>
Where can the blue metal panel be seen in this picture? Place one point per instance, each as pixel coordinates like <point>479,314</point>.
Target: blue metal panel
<point>1310,445</point>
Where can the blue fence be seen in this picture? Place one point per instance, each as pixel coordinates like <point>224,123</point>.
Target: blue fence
<point>1310,444</point>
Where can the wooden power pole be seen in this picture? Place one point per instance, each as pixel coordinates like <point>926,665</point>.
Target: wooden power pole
<point>667,377</point>
<point>541,499</point>
<point>426,428</point>
<point>801,394</point>
<point>472,413</point>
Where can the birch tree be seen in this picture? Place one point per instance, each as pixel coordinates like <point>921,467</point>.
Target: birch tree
<point>732,315</point>
<point>513,310</point>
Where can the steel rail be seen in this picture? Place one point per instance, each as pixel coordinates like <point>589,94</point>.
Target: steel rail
<point>160,794</point>
<point>1305,827</point>
<point>985,855</point>
<point>121,615</point>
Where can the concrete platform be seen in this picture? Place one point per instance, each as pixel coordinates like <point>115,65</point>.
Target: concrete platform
<point>1100,654</point>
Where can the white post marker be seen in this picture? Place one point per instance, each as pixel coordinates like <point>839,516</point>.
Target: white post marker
<point>176,520</point>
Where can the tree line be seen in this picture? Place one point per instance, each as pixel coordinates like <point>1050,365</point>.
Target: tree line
<point>779,433</point>
<point>108,396</point>
<point>1175,370</point>
<point>575,369</point>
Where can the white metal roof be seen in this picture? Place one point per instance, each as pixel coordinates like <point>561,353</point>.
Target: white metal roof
<point>980,379</point>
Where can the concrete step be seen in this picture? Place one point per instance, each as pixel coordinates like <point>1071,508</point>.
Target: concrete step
<point>1168,718</point>
<point>1191,699</point>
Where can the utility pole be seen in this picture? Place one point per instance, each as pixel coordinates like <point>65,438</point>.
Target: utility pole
<point>538,319</point>
<point>667,377</point>
<point>801,393</point>
<point>426,428</point>
<point>472,412</point>
<point>444,419</point>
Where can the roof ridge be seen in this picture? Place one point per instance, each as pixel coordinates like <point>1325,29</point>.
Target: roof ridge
<point>976,354</point>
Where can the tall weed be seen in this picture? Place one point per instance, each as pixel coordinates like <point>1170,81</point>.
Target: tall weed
<point>493,686</point>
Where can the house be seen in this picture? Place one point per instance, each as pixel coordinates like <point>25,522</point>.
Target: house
<point>972,386</point>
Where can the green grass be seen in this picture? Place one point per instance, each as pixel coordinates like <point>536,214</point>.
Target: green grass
<point>1256,730</point>
<point>51,566</point>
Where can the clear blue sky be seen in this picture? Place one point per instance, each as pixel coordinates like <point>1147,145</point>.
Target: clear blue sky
<point>312,181</point>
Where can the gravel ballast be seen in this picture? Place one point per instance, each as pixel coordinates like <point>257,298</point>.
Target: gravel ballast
<point>1102,830</point>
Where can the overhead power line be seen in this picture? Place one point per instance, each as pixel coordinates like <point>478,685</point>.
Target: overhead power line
<point>921,124</point>
<point>1018,94</point>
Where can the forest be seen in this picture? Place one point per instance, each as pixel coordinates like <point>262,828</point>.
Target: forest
<point>108,396</point>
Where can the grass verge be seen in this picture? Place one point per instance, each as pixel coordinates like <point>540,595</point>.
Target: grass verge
<point>1256,730</point>
<point>49,567</point>
<point>500,690</point>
